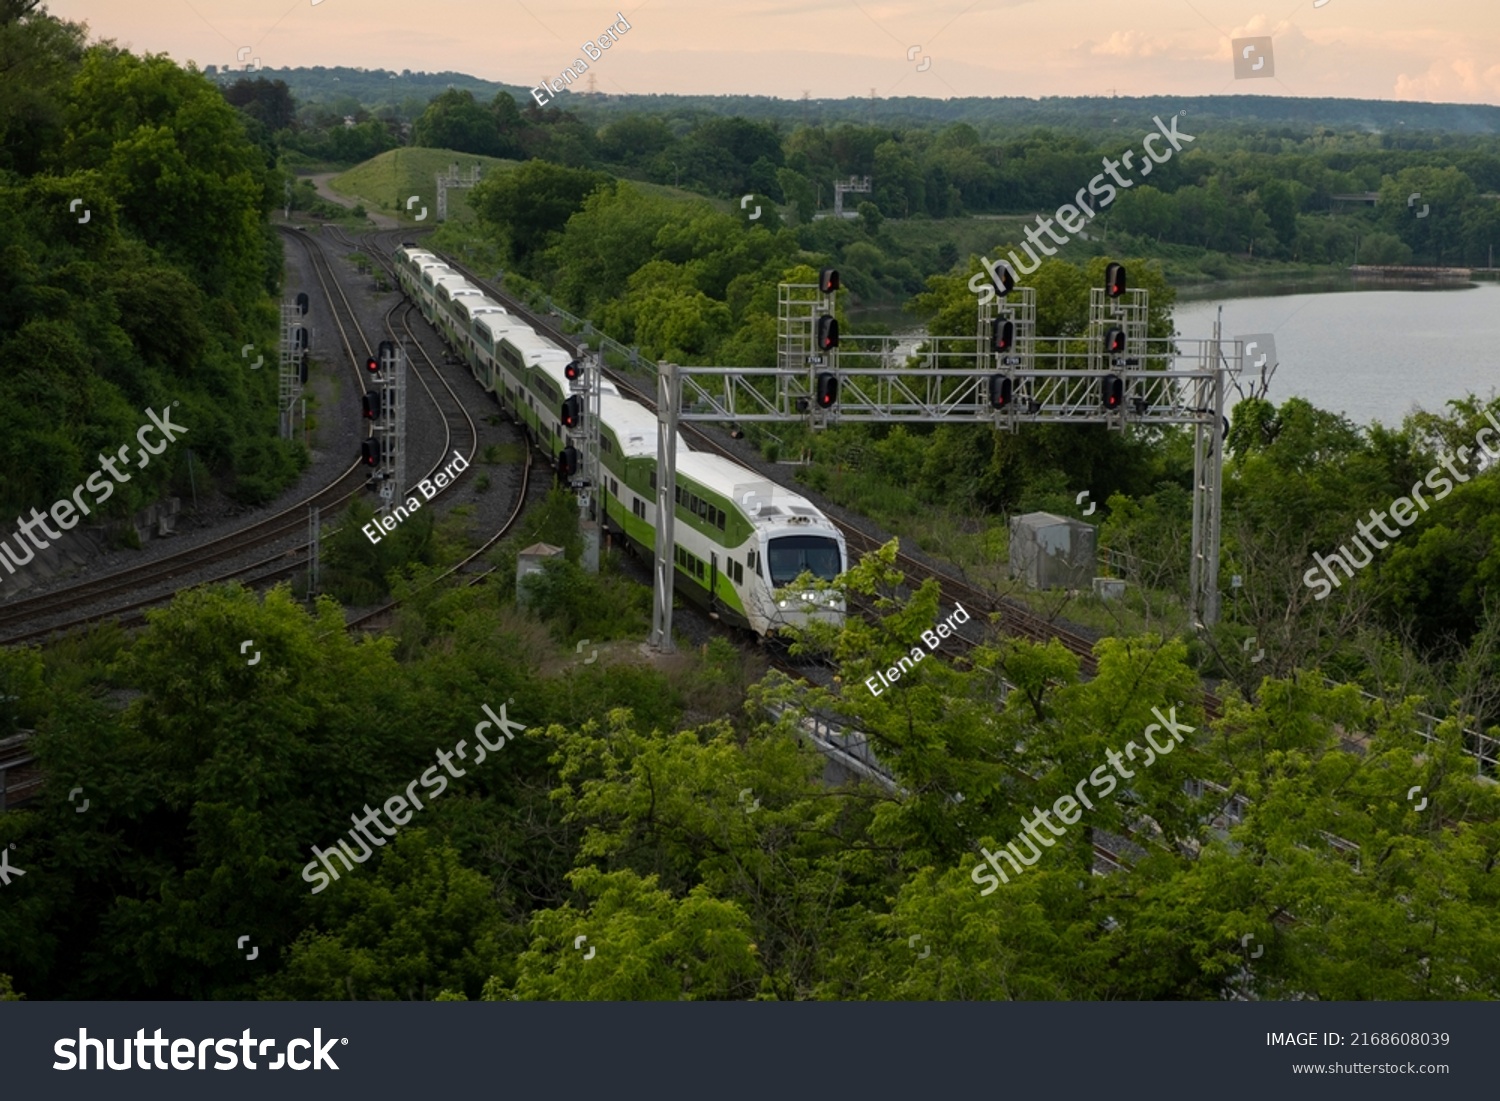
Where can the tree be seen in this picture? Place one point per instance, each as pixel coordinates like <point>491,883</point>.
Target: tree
<point>455,121</point>
<point>173,157</point>
<point>417,924</point>
<point>268,102</point>
<point>38,57</point>
<point>527,207</point>
<point>649,946</point>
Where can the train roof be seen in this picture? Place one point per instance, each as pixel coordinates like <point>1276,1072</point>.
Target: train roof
<point>766,504</point>
<point>633,424</point>
<point>478,307</point>
<point>454,283</point>
<point>501,324</point>
<point>527,341</point>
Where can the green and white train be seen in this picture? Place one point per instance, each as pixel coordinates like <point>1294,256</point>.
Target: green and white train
<point>741,541</point>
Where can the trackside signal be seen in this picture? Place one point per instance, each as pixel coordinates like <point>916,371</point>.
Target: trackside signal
<point>1000,388</point>
<point>1114,342</point>
<point>828,333</point>
<point>574,370</point>
<point>567,463</point>
<point>370,402</point>
<point>370,452</point>
<point>302,303</point>
<point>372,365</point>
<point>827,390</point>
<point>572,412</point>
<point>1114,280</point>
<point>1114,391</point>
<point>828,280</point>
<point>1002,334</point>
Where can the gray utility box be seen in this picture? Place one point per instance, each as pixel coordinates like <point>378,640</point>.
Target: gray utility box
<point>1052,552</point>
<point>530,561</point>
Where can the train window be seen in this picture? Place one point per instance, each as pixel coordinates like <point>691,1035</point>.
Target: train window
<point>653,479</point>
<point>698,566</point>
<point>679,495</point>
<point>604,444</point>
<point>614,487</point>
<point>719,518</point>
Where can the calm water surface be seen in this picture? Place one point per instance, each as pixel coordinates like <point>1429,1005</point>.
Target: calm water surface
<point>1370,355</point>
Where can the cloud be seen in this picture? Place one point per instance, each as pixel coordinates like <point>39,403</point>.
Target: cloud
<point>1129,44</point>
<point>1458,79</point>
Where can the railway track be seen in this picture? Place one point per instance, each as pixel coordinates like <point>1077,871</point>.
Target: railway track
<point>1013,618</point>
<point>166,572</point>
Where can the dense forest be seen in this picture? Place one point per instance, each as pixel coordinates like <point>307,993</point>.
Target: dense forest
<point>619,813</point>
<point>145,292</point>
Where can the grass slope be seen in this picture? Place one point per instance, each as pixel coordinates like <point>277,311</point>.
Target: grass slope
<point>385,182</point>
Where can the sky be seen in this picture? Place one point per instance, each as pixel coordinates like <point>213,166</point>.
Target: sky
<point>1445,51</point>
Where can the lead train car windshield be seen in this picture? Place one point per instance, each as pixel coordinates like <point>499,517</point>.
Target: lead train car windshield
<point>789,555</point>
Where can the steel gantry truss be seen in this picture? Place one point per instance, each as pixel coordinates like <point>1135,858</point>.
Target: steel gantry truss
<point>389,428</point>
<point>588,479</point>
<point>289,379</point>
<point>453,179</point>
<point>1054,380</point>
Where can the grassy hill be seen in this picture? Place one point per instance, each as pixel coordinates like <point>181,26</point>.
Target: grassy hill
<point>385,182</point>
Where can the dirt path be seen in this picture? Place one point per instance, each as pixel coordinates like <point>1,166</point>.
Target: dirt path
<point>320,184</point>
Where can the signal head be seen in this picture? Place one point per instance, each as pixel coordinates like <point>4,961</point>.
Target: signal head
<point>372,364</point>
<point>1114,391</point>
<point>828,280</point>
<point>1114,341</point>
<point>1002,334</point>
<point>1003,277</point>
<point>827,390</point>
<point>1000,390</point>
<point>574,370</point>
<point>828,333</point>
<point>1114,280</point>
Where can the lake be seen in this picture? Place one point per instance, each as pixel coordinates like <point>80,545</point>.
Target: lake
<point>1370,354</point>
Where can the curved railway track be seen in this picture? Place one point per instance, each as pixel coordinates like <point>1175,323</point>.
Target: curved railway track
<point>167,570</point>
